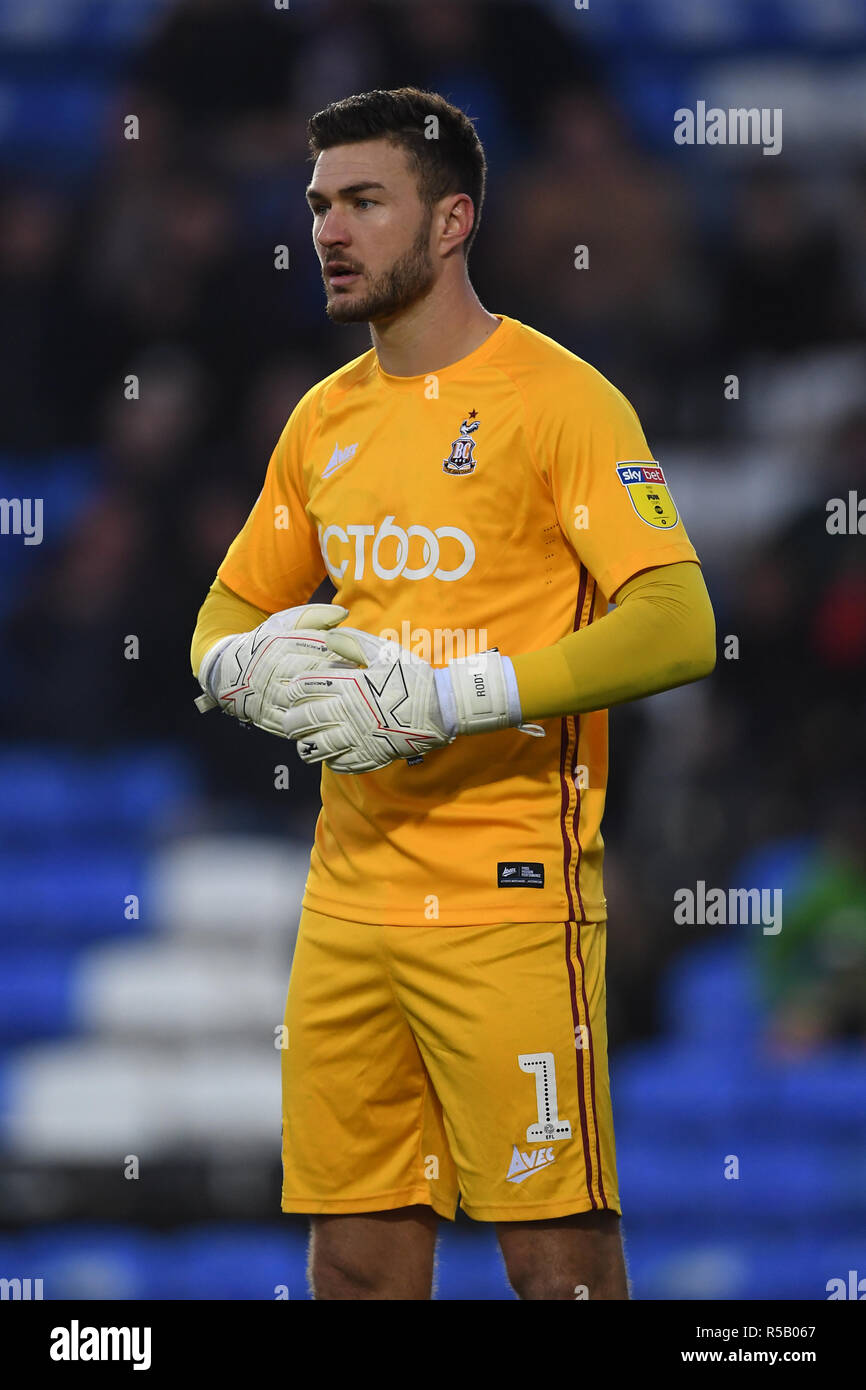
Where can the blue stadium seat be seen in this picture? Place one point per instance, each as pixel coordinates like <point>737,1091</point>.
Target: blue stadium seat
<point>92,1262</point>
<point>672,1181</point>
<point>744,1267</point>
<point>36,994</point>
<point>53,123</point>
<point>777,864</point>
<point>469,1265</point>
<point>684,1090</point>
<point>828,1092</point>
<point>685,1183</point>
<point>68,895</point>
<point>248,1262</point>
<point>65,483</point>
<point>670,26</point>
<point>708,1267</point>
<point>236,1262</point>
<point>125,794</point>
<point>77,23</point>
<point>711,995</point>
<point>675,1089</point>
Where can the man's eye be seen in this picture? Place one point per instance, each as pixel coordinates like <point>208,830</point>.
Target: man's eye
<point>369,201</point>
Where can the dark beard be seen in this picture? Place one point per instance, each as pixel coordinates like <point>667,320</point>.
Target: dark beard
<point>408,280</point>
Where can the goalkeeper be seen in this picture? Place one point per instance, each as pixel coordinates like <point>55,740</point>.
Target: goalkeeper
<point>473,483</point>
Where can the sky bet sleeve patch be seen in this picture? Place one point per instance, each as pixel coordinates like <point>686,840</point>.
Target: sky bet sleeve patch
<point>645,483</point>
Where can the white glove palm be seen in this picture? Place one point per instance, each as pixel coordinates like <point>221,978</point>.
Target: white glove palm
<point>245,675</point>
<point>397,705</point>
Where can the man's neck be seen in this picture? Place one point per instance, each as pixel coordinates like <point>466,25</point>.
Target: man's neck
<point>440,329</point>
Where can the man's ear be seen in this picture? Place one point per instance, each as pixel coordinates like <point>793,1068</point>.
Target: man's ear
<point>458,218</point>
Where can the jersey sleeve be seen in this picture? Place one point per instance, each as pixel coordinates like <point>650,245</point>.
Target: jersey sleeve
<point>661,634</point>
<point>275,562</point>
<point>612,497</point>
<point>221,615</point>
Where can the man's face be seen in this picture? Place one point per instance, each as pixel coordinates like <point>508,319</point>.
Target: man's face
<point>370,230</point>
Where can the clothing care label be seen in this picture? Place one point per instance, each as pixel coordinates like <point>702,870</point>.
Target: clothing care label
<point>519,875</point>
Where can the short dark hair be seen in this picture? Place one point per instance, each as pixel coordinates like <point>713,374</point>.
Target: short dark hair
<point>453,162</point>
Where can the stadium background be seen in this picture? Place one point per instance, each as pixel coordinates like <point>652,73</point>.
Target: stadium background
<point>153,1035</point>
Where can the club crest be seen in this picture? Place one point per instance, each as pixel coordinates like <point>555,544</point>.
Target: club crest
<point>461,459</point>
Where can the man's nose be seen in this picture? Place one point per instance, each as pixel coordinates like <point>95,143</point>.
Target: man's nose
<point>332,230</point>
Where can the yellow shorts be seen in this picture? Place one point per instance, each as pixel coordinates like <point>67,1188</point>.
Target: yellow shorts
<point>423,1064</point>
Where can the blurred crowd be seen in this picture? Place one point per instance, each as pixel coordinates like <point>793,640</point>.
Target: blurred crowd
<point>161,266</point>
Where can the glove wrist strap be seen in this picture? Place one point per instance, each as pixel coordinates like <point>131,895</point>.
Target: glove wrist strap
<point>481,695</point>
<point>447,702</point>
<point>208,668</point>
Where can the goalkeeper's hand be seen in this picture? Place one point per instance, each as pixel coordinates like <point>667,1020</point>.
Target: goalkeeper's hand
<point>246,674</point>
<point>395,705</point>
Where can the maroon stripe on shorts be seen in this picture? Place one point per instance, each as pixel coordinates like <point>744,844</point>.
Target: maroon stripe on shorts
<point>581,1096</point>
<point>591,1068</point>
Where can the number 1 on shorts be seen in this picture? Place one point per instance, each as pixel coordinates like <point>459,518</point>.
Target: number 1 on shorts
<point>549,1125</point>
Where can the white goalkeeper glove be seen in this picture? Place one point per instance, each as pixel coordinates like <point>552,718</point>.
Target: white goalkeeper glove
<point>395,705</point>
<point>245,674</point>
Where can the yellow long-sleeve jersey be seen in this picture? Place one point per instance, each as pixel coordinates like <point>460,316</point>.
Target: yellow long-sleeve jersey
<point>500,501</point>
